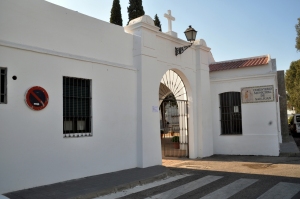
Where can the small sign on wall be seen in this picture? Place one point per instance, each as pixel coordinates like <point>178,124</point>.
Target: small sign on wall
<point>155,109</point>
<point>257,94</point>
<point>36,98</point>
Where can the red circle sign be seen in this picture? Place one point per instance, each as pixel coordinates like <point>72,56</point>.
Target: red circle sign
<point>36,98</point>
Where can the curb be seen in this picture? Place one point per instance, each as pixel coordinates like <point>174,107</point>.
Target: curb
<point>289,155</point>
<point>126,186</point>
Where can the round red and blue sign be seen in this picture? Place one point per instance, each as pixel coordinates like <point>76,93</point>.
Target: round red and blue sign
<point>36,98</point>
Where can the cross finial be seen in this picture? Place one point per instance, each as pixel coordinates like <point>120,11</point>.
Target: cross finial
<point>170,19</point>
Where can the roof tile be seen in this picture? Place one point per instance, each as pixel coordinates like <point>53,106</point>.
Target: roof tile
<point>233,64</point>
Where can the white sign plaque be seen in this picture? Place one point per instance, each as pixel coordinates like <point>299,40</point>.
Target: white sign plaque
<point>155,109</point>
<point>257,94</point>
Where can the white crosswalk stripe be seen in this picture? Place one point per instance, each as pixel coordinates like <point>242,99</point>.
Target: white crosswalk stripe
<point>142,188</point>
<point>231,189</point>
<point>178,191</point>
<point>282,190</point>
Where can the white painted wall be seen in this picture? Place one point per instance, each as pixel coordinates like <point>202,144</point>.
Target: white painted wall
<point>45,25</point>
<point>259,120</point>
<point>33,150</point>
<point>40,43</point>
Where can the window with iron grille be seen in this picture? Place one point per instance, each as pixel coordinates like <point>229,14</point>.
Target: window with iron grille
<point>3,83</point>
<point>77,107</point>
<point>231,113</point>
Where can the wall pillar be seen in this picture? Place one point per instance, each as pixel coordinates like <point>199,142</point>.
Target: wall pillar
<point>283,106</point>
<point>204,128</point>
<point>145,61</point>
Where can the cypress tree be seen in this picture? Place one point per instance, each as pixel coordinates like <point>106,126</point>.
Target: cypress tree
<point>115,13</point>
<point>157,22</point>
<point>135,9</point>
<point>298,35</point>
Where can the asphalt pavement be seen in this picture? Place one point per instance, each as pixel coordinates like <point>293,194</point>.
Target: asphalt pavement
<point>216,184</point>
<point>94,186</point>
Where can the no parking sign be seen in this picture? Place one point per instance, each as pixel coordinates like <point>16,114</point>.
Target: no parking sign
<point>36,98</point>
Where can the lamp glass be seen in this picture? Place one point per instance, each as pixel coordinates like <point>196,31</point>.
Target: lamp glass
<point>190,34</point>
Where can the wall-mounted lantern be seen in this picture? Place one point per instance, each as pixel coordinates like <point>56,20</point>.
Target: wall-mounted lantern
<point>190,34</point>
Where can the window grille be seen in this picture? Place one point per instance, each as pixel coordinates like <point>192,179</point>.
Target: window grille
<point>231,113</point>
<point>76,107</point>
<point>3,83</point>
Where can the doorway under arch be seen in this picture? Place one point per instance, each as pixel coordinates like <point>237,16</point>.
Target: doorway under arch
<point>173,116</point>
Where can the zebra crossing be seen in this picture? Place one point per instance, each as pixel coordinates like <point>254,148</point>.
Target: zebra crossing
<point>178,191</point>
<point>231,189</point>
<point>282,190</point>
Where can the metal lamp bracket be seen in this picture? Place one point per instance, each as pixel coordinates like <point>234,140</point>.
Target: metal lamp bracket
<point>180,50</point>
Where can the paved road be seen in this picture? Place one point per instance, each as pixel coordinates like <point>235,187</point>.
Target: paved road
<point>224,177</point>
<point>209,184</point>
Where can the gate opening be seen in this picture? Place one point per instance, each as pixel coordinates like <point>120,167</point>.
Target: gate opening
<point>173,116</point>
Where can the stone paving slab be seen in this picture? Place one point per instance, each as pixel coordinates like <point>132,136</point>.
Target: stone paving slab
<point>94,186</point>
<point>289,148</point>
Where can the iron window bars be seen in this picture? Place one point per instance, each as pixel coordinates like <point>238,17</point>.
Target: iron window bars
<point>3,85</point>
<point>231,113</point>
<point>76,107</point>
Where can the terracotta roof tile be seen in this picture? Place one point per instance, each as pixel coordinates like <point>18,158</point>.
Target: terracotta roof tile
<point>241,63</point>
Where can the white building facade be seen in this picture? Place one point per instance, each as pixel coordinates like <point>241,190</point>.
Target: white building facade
<point>103,85</point>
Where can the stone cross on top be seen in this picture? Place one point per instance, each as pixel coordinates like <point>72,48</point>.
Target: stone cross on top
<point>170,19</point>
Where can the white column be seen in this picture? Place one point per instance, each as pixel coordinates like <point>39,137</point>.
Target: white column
<point>144,58</point>
<point>204,130</point>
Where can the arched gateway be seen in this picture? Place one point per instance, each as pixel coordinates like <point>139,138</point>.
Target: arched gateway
<point>173,116</point>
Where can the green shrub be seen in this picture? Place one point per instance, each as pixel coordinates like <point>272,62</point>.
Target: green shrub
<point>175,139</point>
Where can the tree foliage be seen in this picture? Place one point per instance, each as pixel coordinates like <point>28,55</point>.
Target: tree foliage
<point>288,103</point>
<point>290,120</point>
<point>157,22</point>
<point>115,13</point>
<point>292,80</point>
<point>135,9</point>
<point>298,35</point>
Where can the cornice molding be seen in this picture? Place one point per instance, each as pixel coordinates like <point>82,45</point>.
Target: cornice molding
<point>64,55</point>
<point>205,48</point>
<point>174,39</point>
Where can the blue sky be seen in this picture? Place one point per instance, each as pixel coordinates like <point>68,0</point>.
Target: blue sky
<point>233,29</point>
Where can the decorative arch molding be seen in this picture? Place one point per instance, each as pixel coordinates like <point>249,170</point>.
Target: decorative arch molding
<point>171,82</point>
